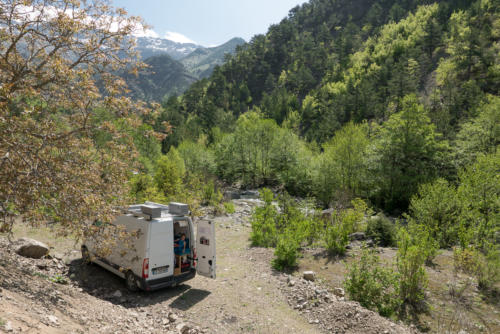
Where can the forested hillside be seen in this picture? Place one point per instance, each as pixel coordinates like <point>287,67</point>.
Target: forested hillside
<point>411,79</point>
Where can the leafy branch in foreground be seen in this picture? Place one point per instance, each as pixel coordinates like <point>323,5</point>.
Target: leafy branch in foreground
<point>56,60</point>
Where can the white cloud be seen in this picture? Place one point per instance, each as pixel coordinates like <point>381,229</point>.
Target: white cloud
<point>177,37</point>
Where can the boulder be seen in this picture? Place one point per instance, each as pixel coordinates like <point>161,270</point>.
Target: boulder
<point>357,236</point>
<point>31,248</point>
<point>309,275</point>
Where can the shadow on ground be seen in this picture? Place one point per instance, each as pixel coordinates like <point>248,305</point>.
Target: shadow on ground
<point>104,285</point>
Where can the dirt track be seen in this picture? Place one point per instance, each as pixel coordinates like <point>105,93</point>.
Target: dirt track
<point>246,297</point>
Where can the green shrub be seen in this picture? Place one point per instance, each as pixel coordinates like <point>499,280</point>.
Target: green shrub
<point>169,174</point>
<point>264,231</point>
<point>437,207</point>
<point>198,158</point>
<point>336,238</point>
<point>286,252</point>
<point>422,237</point>
<point>372,285</point>
<point>484,266</point>
<point>343,223</point>
<point>382,231</point>
<point>229,207</point>
<point>488,274</point>
<point>412,275</point>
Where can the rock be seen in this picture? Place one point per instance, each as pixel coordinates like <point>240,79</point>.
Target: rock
<point>182,328</point>
<point>53,320</point>
<point>172,317</point>
<point>339,292</point>
<point>8,327</point>
<point>370,243</point>
<point>291,283</point>
<point>357,236</point>
<point>31,248</point>
<point>117,294</point>
<point>309,275</point>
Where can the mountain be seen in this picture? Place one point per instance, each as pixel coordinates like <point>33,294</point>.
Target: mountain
<point>151,46</point>
<point>164,76</point>
<point>202,61</point>
<point>173,67</point>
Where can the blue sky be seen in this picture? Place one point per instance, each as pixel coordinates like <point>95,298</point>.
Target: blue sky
<point>209,22</point>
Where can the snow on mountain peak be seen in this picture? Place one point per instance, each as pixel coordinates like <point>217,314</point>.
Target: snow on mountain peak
<point>178,38</point>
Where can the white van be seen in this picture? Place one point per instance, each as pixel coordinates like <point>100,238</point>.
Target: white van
<point>153,261</point>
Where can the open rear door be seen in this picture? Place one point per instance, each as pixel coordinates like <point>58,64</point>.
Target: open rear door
<point>205,248</point>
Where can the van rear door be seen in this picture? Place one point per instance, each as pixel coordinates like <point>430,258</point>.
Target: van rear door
<point>205,248</point>
<point>161,249</point>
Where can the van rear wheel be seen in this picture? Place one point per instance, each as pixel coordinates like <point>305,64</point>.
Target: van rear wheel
<point>131,281</point>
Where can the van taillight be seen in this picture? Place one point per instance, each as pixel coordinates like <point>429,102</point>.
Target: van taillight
<point>145,268</point>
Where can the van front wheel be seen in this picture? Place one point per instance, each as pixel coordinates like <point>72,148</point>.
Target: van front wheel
<point>131,281</point>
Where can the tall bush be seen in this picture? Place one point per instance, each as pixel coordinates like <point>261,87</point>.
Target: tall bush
<point>264,230</point>
<point>372,285</point>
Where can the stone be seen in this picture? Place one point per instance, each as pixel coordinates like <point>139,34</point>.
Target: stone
<point>117,294</point>
<point>31,248</point>
<point>53,320</point>
<point>291,283</point>
<point>309,275</point>
<point>8,327</point>
<point>182,328</point>
<point>370,243</point>
<point>339,292</point>
<point>172,317</point>
<point>357,236</point>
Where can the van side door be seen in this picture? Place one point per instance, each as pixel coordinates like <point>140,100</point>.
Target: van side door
<point>205,248</point>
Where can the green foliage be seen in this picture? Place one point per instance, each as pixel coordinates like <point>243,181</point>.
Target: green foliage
<point>437,207</point>
<point>198,158</point>
<point>479,193</point>
<point>372,285</point>
<point>169,174</point>
<point>408,153</point>
<point>229,207</point>
<point>143,188</point>
<point>382,231</point>
<point>343,223</point>
<point>412,275</point>
<point>59,279</point>
<point>286,252</point>
<point>342,168</point>
<point>263,220</point>
<point>336,238</point>
<point>484,265</point>
<point>480,135</point>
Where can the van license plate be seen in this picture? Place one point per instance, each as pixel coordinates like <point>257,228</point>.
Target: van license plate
<point>160,270</point>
